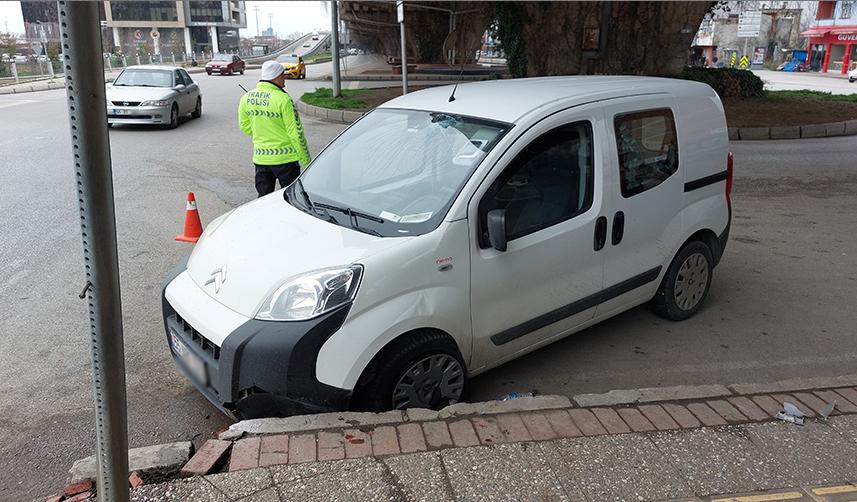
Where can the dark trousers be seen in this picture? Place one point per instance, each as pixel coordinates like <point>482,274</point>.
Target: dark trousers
<point>267,176</point>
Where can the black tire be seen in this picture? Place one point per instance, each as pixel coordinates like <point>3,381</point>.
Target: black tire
<point>242,71</point>
<point>665,302</point>
<point>197,112</point>
<point>851,80</point>
<point>174,117</point>
<point>374,391</point>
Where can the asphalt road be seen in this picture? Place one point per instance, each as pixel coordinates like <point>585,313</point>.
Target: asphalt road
<point>780,304</point>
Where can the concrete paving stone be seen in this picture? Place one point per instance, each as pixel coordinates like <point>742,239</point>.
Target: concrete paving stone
<point>562,424</point>
<point>268,495</point>
<point>611,420</point>
<point>358,444</point>
<point>420,415</point>
<point>716,461</point>
<point>783,398</point>
<point>275,444</point>
<point>196,488</point>
<point>851,127</point>
<point>269,459</point>
<point>512,471</point>
<point>748,408</point>
<point>385,441</point>
<point>615,468</point>
<point>842,405</point>
<point>727,411</point>
<point>586,422</point>
<point>513,428</point>
<point>411,438</point>
<point>840,492</point>
<point>487,430</point>
<point>835,128</point>
<point>658,417</point>
<point>245,454</point>
<point>538,425</point>
<point>769,404</point>
<point>462,433</point>
<point>243,483</point>
<point>705,414</point>
<point>811,455</point>
<point>363,479</point>
<point>302,448</point>
<point>151,462</point>
<point>794,384</point>
<point>848,393</point>
<point>681,415</point>
<point>533,403</point>
<point>437,434</point>
<point>813,131</point>
<point>635,420</point>
<point>817,404</point>
<point>785,132</point>
<point>790,494</point>
<point>420,477</point>
<point>753,133</point>
<point>331,446</point>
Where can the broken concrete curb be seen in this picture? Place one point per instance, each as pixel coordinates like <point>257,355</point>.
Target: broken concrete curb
<point>152,463</point>
<point>651,395</point>
<point>795,384</point>
<point>846,128</point>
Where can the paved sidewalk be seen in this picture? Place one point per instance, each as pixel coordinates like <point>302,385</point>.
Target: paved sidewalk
<point>726,447</point>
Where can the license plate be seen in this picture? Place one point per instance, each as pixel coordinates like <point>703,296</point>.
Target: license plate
<point>194,365</point>
<point>121,112</point>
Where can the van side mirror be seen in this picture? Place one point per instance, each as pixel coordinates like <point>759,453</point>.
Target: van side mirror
<point>497,229</point>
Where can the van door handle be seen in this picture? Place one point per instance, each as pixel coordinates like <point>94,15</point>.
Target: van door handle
<point>618,227</point>
<point>600,232</point>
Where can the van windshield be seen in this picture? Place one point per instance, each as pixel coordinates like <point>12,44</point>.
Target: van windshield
<point>397,170</point>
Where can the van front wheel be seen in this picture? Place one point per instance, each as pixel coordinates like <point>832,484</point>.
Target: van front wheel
<point>422,369</point>
<point>686,283</point>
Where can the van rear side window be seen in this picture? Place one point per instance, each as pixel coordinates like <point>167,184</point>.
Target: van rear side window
<point>648,149</point>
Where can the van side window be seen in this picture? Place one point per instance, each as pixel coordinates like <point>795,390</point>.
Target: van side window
<point>648,149</point>
<point>550,181</point>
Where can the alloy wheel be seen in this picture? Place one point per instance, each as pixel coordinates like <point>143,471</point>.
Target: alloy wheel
<point>691,281</point>
<point>432,382</point>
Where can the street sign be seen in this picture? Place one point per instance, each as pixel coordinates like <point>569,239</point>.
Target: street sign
<point>138,34</point>
<point>400,11</point>
<point>744,63</point>
<point>759,55</point>
<point>749,24</point>
<point>732,59</point>
<point>154,34</point>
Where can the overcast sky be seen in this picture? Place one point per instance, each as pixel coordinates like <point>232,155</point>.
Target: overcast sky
<point>288,17</point>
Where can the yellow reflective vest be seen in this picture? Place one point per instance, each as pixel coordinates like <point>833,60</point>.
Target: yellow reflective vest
<point>268,115</point>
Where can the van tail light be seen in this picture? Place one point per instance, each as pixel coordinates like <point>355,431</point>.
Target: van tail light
<point>729,179</point>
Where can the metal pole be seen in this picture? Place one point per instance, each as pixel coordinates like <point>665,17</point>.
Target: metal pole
<point>334,48</point>
<point>91,155</point>
<point>401,7</point>
<point>15,71</point>
<point>51,67</point>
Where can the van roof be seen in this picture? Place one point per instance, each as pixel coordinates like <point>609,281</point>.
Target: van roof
<point>509,100</point>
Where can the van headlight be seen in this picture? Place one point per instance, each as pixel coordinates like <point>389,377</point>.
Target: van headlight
<point>312,294</point>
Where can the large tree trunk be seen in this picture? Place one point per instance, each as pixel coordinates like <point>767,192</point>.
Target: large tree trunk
<point>624,37</point>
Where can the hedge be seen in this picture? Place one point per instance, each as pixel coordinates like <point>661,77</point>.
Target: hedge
<point>728,82</point>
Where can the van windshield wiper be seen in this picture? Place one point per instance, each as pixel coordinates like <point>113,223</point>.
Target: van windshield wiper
<point>352,216</point>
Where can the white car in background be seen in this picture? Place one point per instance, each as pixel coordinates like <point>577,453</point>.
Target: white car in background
<point>440,236</point>
<point>852,75</point>
<point>152,94</point>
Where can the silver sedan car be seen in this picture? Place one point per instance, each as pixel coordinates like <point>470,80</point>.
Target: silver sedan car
<point>150,94</point>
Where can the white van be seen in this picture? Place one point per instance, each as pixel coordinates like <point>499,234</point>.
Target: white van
<point>442,235</point>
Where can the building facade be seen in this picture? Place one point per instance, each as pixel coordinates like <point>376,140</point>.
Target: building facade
<point>832,37</point>
<point>164,27</point>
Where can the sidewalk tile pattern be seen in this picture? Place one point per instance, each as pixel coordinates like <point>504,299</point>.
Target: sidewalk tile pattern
<point>611,420</point>
<point>636,420</point>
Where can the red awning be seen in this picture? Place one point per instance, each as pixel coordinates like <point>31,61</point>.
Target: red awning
<point>843,30</point>
<point>815,32</point>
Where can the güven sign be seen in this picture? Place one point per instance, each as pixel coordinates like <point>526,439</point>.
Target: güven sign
<point>847,36</point>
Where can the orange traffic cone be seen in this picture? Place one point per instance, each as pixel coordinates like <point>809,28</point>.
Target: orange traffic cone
<point>192,225</point>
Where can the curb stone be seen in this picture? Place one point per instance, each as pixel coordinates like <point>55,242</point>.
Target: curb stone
<point>650,395</point>
<point>337,116</point>
<point>796,384</point>
<point>847,128</point>
<point>152,463</point>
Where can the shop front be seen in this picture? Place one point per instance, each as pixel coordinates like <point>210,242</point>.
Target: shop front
<point>831,48</point>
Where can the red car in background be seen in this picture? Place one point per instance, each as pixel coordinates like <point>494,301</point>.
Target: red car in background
<point>225,64</point>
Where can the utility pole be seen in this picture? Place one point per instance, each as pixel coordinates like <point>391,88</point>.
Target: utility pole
<point>87,109</point>
<point>334,48</point>
<point>256,9</point>
<point>400,11</point>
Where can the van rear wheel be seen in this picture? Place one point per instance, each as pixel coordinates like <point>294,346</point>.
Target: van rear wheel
<point>686,283</point>
<point>422,369</point>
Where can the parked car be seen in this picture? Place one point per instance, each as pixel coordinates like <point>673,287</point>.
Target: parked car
<point>352,51</point>
<point>294,66</point>
<point>5,58</point>
<point>307,44</point>
<point>442,237</point>
<point>151,94</point>
<point>19,59</point>
<point>225,64</point>
<point>41,58</point>
<point>852,75</point>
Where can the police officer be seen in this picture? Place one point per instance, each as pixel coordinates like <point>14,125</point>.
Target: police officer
<point>268,115</point>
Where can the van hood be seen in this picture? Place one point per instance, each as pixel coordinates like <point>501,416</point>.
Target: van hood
<point>261,244</point>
